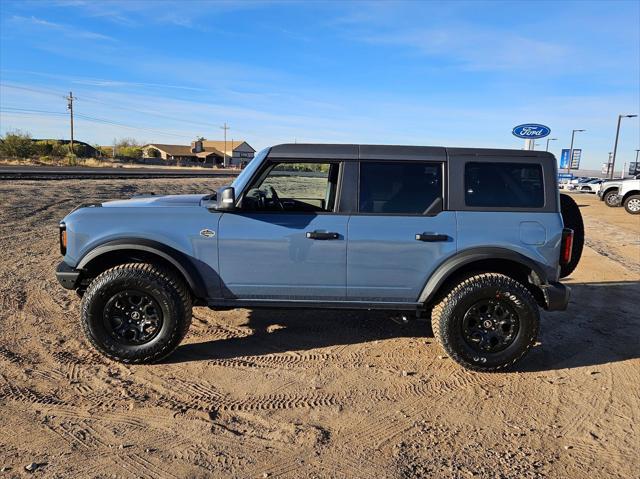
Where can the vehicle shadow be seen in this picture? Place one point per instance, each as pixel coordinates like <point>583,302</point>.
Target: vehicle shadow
<point>283,330</point>
<point>601,325</point>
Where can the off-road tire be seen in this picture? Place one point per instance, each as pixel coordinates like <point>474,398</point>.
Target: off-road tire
<point>610,199</point>
<point>167,290</point>
<point>572,218</point>
<point>448,313</point>
<point>630,204</point>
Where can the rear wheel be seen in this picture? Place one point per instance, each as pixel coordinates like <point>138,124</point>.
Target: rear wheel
<point>487,322</point>
<point>611,198</point>
<point>136,313</point>
<point>632,204</point>
<point>572,218</point>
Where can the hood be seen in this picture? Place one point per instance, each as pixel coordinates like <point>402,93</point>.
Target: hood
<point>153,200</point>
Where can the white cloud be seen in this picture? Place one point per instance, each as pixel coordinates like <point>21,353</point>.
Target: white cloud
<point>66,30</point>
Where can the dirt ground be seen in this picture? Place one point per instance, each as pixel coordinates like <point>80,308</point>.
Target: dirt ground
<point>310,394</point>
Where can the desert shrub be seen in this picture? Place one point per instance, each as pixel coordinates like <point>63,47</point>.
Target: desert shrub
<point>16,144</point>
<point>43,147</point>
<point>130,152</point>
<point>72,160</point>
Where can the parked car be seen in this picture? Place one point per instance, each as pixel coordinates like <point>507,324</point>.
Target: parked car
<point>591,186</point>
<point>609,190</point>
<point>575,183</point>
<point>629,196</point>
<point>479,238</point>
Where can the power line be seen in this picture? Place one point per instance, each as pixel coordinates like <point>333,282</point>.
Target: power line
<point>91,119</point>
<point>36,90</point>
<point>10,109</point>
<point>145,112</point>
<point>109,122</point>
<point>110,104</point>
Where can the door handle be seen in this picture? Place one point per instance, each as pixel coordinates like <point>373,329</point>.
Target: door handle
<point>321,235</point>
<point>431,237</point>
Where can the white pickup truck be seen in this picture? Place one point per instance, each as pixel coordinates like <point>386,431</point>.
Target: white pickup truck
<point>629,195</point>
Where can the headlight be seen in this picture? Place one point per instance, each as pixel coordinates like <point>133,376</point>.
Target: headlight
<point>63,238</point>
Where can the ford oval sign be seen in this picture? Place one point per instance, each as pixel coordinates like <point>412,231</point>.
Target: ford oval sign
<point>531,131</point>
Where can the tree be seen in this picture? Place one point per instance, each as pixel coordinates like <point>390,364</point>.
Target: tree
<point>153,152</point>
<point>16,144</point>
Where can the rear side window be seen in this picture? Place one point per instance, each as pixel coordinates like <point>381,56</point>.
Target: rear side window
<point>400,188</point>
<point>504,185</point>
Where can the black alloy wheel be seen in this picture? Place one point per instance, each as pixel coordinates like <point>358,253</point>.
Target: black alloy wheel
<point>490,325</point>
<point>132,317</point>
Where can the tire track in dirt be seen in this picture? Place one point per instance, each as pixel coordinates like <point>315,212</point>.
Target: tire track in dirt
<point>8,390</point>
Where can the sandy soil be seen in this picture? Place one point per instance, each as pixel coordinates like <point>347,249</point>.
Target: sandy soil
<point>313,394</point>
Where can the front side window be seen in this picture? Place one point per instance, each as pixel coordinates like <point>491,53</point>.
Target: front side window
<point>504,185</point>
<point>304,186</point>
<point>399,187</point>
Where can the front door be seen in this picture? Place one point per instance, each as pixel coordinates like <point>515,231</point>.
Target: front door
<point>400,233</point>
<point>286,241</point>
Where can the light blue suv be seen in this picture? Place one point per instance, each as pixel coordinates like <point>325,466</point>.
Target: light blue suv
<point>474,237</point>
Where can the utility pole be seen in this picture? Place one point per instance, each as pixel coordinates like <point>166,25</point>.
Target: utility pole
<point>573,133</point>
<point>70,99</point>
<point>615,145</point>
<point>225,128</point>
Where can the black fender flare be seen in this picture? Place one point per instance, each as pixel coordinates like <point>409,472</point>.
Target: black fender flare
<point>466,257</point>
<point>182,262</point>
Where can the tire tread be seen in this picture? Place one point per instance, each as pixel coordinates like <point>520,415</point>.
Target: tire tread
<point>443,309</point>
<point>145,271</point>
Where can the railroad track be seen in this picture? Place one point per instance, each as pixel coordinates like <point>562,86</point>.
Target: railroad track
<point>70,173</point>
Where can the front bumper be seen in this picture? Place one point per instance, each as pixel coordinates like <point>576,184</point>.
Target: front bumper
<point>556,296</point>
<point>67,276</point>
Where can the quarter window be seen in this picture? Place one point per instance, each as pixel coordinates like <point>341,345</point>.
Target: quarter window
<point>399,187</point>
<point>504,185</point>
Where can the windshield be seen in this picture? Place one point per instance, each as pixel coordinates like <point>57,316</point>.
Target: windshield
<point>241,180</point>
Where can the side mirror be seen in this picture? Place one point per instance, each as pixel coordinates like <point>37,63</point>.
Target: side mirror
<point>226,199</point>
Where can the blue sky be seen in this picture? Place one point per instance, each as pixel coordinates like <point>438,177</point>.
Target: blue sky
<point>428,73</point>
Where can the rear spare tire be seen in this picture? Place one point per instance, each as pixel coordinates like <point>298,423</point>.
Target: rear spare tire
<point>572,218</point>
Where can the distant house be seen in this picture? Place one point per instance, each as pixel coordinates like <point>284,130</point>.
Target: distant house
<point>203,152</point>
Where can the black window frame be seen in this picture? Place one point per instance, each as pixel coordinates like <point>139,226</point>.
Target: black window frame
<point>443,186</point>
<point>456,166</point>
<point>267,167</point>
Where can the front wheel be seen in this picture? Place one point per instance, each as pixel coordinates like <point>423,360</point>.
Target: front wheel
<point>487,322</point>
<point>632,204</point>
<point>136,313</point>
<point>611,199</point>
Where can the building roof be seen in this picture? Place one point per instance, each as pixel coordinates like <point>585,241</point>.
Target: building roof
<point>208,152</point>
<point>173,150</point>
<point>219,145</point>
<point>209,147</point>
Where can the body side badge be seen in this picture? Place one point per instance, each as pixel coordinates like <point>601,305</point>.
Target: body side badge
<point>207,233</point>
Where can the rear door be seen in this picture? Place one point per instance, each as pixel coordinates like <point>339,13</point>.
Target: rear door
<point>400,232</point>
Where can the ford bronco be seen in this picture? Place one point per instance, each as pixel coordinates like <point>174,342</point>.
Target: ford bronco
<point>476,238</point>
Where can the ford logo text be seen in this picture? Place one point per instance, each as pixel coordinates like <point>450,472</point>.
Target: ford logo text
<point>531,130</point>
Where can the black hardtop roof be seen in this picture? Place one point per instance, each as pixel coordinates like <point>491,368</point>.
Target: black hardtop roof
<point>389,152</point>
